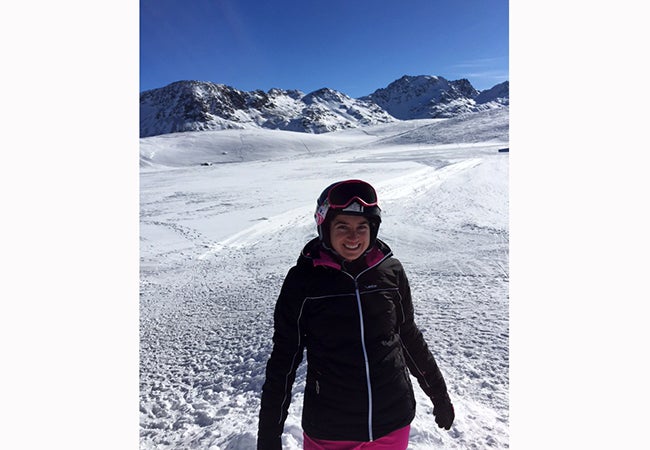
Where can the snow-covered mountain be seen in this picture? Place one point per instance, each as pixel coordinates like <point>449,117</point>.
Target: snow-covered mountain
<point>499,94</point>
<point>425,97</point>
<point>201,106</point>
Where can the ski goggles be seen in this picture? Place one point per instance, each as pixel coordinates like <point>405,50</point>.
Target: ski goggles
<point>350,195</point>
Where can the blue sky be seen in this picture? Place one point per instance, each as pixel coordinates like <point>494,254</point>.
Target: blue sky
<point>353,46</point>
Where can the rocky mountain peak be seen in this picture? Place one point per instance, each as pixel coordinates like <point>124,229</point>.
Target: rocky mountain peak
<point>200,105</point>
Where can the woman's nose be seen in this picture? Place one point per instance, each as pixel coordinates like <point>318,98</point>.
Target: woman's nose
<point>353,234</point>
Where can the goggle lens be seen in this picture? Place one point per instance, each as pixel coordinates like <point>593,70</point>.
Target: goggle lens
<point>346,192</point>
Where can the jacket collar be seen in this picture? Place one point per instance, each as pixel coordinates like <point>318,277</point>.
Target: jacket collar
<point>318,256</point>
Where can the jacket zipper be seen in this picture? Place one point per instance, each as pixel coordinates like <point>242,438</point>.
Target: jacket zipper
<point>363,340</point>
<point>365,358</point>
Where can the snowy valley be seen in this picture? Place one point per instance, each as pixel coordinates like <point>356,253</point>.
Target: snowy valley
<point>224,215</point>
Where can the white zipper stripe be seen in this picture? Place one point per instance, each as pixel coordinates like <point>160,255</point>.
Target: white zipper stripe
<point>363,339</point>
<point>365,357</point>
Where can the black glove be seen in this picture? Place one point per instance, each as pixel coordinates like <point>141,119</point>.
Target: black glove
<point>443,411</point>
<point>268,442</point>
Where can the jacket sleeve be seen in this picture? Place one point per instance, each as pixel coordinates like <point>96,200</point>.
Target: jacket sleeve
<point>419,358</point>
<point>286,356</point>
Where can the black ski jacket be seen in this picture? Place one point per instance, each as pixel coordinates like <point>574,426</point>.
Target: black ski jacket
<point>356,323</point>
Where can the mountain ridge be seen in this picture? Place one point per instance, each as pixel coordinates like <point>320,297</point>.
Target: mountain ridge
<point>191,105</point>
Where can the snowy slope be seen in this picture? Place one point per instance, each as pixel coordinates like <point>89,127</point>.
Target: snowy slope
<point>216,241</point>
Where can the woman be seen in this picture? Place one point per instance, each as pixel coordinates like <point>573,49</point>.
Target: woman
<point>348,302</point>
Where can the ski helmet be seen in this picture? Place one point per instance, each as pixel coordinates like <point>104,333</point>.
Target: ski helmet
<point>354,197</point>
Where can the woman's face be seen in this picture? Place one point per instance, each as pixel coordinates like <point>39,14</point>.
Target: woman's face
<point>350,236</point>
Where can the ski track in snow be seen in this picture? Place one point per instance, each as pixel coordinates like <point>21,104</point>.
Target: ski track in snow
<point>213,258</point>
<point>411,185</point>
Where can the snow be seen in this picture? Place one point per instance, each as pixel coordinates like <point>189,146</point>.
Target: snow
<point>578,246</point>
<point>217,240</point>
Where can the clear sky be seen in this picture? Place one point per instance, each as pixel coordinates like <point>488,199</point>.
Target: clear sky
<point>353,46</point>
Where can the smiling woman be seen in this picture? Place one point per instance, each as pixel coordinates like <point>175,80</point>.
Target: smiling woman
<point>347,302</point>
